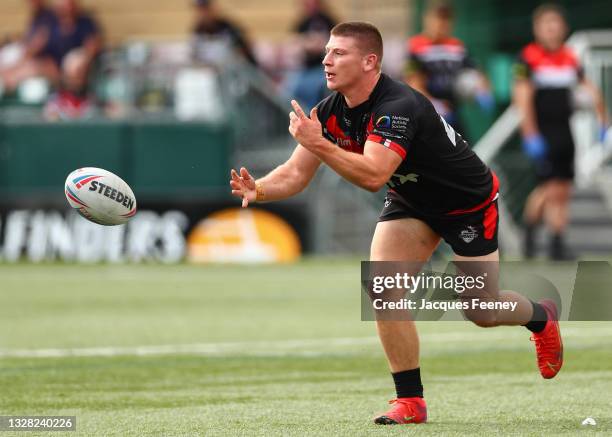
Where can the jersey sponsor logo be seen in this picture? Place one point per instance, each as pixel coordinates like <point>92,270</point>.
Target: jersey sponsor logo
<point>402,179</point>
<point>384,121</point>
<point>387,201</point>
<point>395,122</point>
<point>341,138</point>
<point>399,123</point>
<point>345,143</point>
<point>469,234</point>
<point>389,134</point>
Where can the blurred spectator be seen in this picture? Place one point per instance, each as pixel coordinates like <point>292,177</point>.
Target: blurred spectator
<point>30,57</point>
<point>72,100</point>
<point>216,38</point>
<point>74,44</point>
<point>546,74</point>
<point>440,68</point>
<point>308,85</point>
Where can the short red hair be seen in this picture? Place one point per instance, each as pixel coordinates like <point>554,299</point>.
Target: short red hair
<point>368,36</point>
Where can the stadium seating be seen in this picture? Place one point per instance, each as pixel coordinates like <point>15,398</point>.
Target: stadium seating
<point>155,19</point>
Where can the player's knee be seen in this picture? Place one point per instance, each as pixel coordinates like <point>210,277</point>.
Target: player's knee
<point>559,192</point>
<point>482,323</point>
<point>483,319</point>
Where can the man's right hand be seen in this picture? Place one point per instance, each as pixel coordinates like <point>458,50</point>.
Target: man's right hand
<point>535,146</point>
<point>243,186</point>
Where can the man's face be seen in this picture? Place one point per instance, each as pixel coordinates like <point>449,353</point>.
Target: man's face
<point>311,6</point>
<point>344,62</point>
<point>65,8</point>
<point>205,14</point>
<point>437,27</point>
<point>550,30</point>
<point>36,4</point>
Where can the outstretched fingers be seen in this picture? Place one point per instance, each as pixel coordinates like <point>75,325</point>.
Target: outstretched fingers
<point>241,184</point>
<point>245,174</point>
<point>298,109</point>
<point>235,176</point>
<point>313,114</point>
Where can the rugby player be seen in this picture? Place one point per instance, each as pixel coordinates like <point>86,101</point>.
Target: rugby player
<point>546,74</point>
<point>373,130</point>
<point>435,61</point>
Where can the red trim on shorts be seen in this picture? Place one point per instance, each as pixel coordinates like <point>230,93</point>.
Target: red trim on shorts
<point>490,221</point>
<point>388,144</point>
<point>494,191</point>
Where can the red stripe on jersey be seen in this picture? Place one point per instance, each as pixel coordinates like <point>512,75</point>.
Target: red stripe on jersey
<point>333,128</point>
<point>343,140</point>
<point>388,144</point>
<point>536,56</point>
<point>370,127</point>
<point>490,221</point>
<point>494,191</point>
<point>421,43</point>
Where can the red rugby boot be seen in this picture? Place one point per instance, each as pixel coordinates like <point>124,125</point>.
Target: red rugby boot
<point>548,343</point>
<point>405,410</point>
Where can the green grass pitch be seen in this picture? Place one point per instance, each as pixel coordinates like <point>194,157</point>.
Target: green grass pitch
<point>268,350</point>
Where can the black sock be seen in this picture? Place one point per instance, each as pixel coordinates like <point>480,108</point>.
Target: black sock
<point>556,242</point>
<point>529,246</point>
<point>408,383</point>
<point>538,320</point>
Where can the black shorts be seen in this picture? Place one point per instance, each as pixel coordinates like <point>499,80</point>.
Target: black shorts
<point>471,233</point>
<point>559,160</point>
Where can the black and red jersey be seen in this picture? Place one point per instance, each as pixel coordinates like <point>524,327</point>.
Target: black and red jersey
<point>440,62</point>
<point>439,173</point>
<point>553,74</point>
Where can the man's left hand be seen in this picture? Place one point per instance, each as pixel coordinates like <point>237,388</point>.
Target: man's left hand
<point>306,131</point>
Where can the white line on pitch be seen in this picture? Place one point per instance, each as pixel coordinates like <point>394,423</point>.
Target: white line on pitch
<point>284,347</point>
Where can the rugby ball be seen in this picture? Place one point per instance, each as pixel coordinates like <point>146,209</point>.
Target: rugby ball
<point>467,84</point>
<point>100,196</point>
<point>582,99</point>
